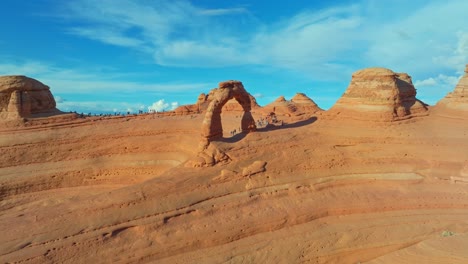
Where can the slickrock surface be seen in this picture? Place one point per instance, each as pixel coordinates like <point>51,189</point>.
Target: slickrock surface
<point>319,190</point>
<point>455,104</point>
<point>378,94</point>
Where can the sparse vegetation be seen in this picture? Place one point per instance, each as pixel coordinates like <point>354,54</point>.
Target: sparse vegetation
<point>447,233</point>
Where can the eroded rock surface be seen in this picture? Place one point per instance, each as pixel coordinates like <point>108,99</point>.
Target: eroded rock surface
<point>298,105</point>
<point>21,96</point>
<point>212,128</point>
<point>204,100</point>
<point>378,94</point>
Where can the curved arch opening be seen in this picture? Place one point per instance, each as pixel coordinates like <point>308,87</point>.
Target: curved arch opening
<point>212,127</point>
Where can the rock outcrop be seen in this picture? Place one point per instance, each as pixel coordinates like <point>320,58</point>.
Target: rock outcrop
<point>21,97</point>
<point>455,104</point>
<point>212,128</point>
<point>298,105</point>
<point>378,94</point>
<point>204,101</point>
<point>233,106</point>
<point>305,104</point>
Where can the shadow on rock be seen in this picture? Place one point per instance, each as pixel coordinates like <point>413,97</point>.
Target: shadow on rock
<point>269,127</point>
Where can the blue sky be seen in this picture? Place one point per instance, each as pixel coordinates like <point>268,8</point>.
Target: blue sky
<point>121,55</point>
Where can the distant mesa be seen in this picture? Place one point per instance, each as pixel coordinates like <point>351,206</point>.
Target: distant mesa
<point>455,104</point>
<point>378,94</point>
<point>298,105</point>
<point>21,97</point>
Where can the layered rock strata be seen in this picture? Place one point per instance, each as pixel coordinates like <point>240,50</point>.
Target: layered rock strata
<point>298,105</point>
<point>378,94</point>
<point>212,128</point>
<point>21,97</point>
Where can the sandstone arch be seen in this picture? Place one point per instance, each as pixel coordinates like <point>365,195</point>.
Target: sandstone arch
<point>212,128</point>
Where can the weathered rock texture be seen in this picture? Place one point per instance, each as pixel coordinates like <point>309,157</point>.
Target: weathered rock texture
<point>455,103</point>
<point>21,96</point>
<point>212,128</point>
<point>305,104</point>
<point>298,105</point>
<point>319,192</point>
<point>378,94</point>
<point>204,101</point>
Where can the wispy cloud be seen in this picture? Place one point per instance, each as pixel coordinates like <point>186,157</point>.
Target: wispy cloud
<point>328,43</point>
<point>80,81</point>
<point>68,83</point>
<point>108,36</point>
<point>97,107</point>
<point>430,90</point>
<point>110,107</point>
<point>222,11</point>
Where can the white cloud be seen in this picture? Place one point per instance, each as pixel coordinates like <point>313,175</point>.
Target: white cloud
<point>174,105</point>
<point>161,105</point>
<point>98,107</point>
<point>440,80</point>
<point>430,90</point>
<point>59,99</point>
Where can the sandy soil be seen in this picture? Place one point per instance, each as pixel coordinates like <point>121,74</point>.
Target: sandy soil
<point>118,190</point>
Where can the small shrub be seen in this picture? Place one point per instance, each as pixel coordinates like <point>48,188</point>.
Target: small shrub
<point>447,233</point>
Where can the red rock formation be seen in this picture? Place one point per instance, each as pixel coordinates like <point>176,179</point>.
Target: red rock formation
<point>21,96</point>
<point>212,128</point>
<point>300,104</point>
<point>305,104</point>
<point>455,104</point>
<point>378,94</point>
<point>204,101</point>
<point>280,107</point>
<point>233,106</point>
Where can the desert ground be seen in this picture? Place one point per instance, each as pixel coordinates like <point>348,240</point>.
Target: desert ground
<point>320,187</point>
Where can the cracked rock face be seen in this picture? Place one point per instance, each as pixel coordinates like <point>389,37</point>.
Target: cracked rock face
<point>21,96</point>
<point>455,103</point>
<point>378,94</point>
